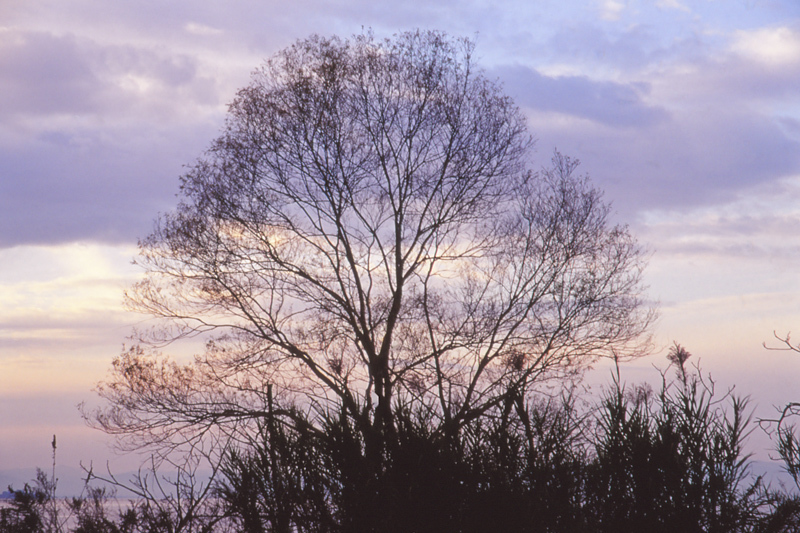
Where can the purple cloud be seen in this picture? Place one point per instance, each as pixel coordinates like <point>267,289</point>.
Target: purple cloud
<point>105,185</point>
<point>45,74</point>
<point>93,132</point>
<point>694,158</point>
<point>41,74</point>
<point>93,137</point>
<point>610,103</point>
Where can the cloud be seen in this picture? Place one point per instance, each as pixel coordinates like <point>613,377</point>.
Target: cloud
<point>709,123</point>
<point>105,184</point>
<point>760,222</point>
<point>696,134</point>
<point>97,123</point>
<point>673,4</point>
<point>201,29</point>
<point>43,74</point>
<point>737,73</point>
<point>611,10</point>
<point>633,51</point>
<point>62,318</point>
<point>699,156</point>
<point>610,103</point>
<point>775,47</point>
<point>93,137</point>
<point>790,125</point>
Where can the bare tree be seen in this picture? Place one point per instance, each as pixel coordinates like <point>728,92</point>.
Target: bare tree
<point>176,497</point>
<point>784,426</point>
<point>366,232</point>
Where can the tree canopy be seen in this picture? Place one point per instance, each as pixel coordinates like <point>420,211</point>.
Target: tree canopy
<point>367,232</point>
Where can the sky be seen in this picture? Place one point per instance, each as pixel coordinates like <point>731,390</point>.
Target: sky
<point>685,112</point>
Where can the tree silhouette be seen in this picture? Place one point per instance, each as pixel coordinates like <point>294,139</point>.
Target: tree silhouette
<point>366,239</point>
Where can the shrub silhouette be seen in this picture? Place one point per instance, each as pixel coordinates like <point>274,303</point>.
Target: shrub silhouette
<point>672,461</point>
<point>635,460</point>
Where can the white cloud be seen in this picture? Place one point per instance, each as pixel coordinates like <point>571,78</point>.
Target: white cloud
<point>45,74</point>
<point>62,313</point>
<point>201,29</point>
<point>673,4</point>
<point>611,10</point>
<point>45,287</point>
<point>761,222</point>
<point>774,47</point>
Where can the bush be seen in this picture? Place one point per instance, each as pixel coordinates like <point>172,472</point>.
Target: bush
<point>637,460</point>
<point>672,461</point>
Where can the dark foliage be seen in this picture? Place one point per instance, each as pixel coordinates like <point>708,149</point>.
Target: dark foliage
<point>24,513</point>
<point>91,516</point>
<point>671,461</point>
<point>638,460</point>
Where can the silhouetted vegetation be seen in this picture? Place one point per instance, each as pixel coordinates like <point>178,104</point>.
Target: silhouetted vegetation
<point>667,461</point>
<point>367,243</point>
<point>636,460</point>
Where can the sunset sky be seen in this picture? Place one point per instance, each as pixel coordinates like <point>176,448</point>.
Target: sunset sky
<point>686,112</point>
